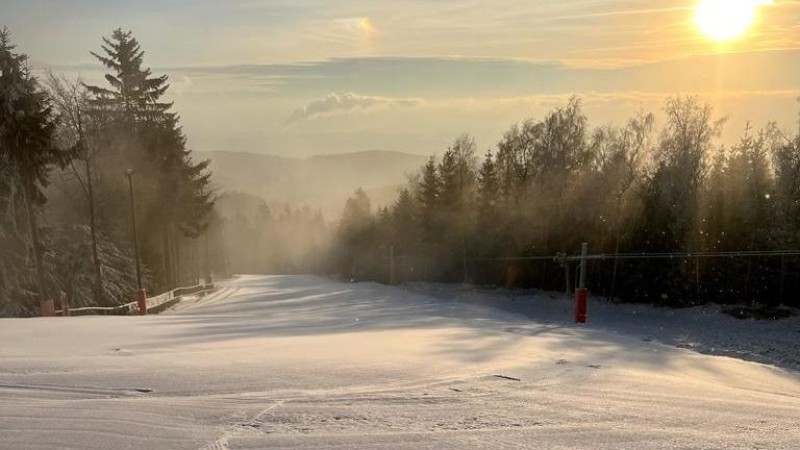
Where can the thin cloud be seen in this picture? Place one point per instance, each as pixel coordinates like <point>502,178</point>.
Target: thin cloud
<point>342,103</point>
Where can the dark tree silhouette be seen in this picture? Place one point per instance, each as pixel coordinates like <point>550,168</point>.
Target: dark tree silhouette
<point>27,143</point>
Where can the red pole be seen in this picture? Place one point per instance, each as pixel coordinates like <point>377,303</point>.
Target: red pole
<point>48,308</point>
<point>141,302</point>
<point>581,296</point>
<point>512,276</point>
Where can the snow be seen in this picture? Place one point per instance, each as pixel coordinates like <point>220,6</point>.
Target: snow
<point>304,362</point>
<point>705,329</point>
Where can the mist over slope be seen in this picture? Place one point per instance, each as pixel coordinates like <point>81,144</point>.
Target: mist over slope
<point>322,181</point>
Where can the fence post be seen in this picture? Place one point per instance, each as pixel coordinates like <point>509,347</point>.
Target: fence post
<point>581,293</point>
<point>566,278</point>
<point>64,300</point>
<point>564,261</point>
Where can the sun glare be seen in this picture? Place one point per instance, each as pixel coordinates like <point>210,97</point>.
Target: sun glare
<point>725,20</point>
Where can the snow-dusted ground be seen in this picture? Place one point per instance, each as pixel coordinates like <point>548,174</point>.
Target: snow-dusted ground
<point>703,328</point>
<point>304,362</point>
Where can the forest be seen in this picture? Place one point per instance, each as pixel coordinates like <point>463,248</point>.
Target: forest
<point>673,202</point>
<point>87,172</point>
<point>72,158</point>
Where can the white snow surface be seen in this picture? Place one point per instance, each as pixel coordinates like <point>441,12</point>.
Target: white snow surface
<point>301,362</point>
<point>705,328</point>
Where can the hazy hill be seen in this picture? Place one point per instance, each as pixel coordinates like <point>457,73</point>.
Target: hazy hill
<point>323,181</point>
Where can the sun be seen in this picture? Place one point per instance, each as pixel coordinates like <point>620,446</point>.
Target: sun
<point>726,20</point>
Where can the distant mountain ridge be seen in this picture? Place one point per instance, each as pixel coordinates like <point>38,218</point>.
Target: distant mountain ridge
<point>321,181</point>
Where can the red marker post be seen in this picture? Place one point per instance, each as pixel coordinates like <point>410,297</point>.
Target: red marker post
<point>581,295</point>
<point>141,302</point>
<point>48,309</point>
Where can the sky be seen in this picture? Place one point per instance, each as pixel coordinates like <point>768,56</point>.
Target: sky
<point>303,77</point>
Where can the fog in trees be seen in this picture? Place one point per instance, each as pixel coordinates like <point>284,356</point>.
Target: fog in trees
<point>502,215</point>
<point>71,143</point>
<point>550,184</point>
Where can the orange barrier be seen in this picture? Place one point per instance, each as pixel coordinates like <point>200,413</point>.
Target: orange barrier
<point>48,308</point>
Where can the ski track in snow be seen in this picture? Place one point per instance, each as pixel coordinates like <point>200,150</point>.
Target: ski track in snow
<point>289,362</point>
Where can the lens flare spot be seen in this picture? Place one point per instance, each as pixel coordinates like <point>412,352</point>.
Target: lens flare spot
<point>366,26</point>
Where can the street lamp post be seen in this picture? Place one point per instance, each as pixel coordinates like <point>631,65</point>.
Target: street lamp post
<point>141,297</point>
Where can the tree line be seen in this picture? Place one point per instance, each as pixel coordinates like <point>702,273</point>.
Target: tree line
<point>552,183</point>
<point>267,238</point>
<point>80,148</point>
<point>548,185</point>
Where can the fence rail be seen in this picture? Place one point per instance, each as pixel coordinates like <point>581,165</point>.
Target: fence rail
<point>756,277</point>
<point>642,255</point>
<point>688,255</point>
<point>155,304</point>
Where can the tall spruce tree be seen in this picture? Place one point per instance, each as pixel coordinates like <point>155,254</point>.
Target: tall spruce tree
<point>175,196</point>
<point>133,95</point>
<point>427,196</point>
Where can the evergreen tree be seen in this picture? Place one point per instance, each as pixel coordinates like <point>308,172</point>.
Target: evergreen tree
<point>786,163</point>
<point>405,231</point>
<point>457,174</point>
<point>428,191</point>
<point>488,198</point>
<point>133,95</point>
<point>175,196</point>
<point>355,236</point>
<point>27,146</point>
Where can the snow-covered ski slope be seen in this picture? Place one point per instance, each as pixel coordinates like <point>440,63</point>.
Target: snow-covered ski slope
<point>304,362</point>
